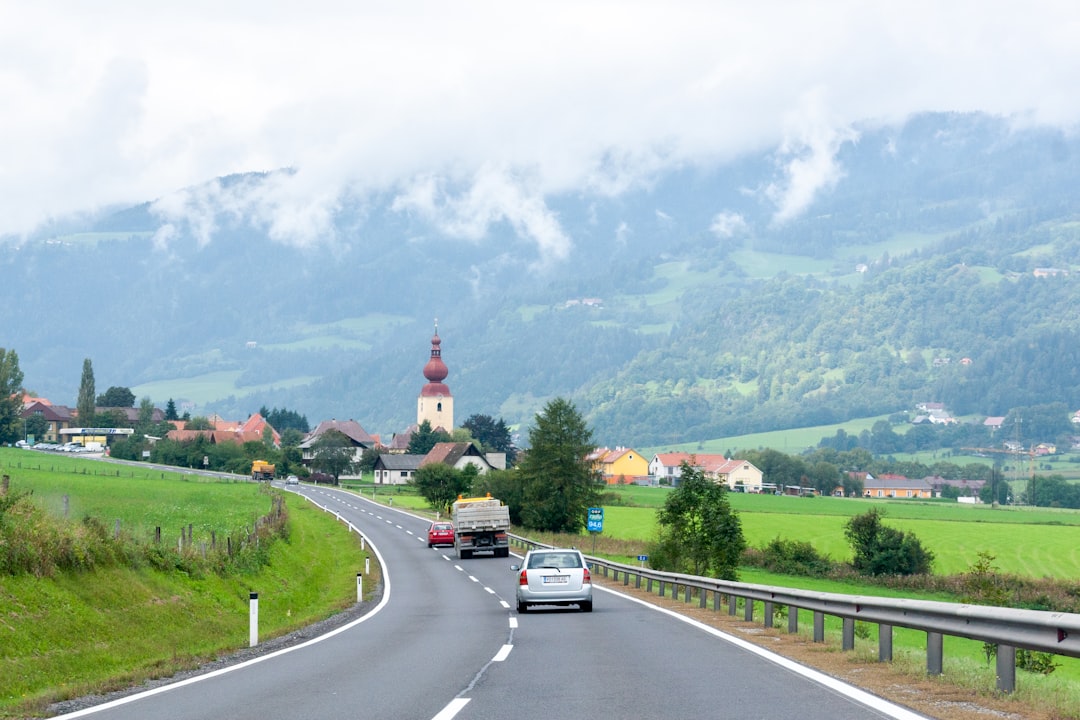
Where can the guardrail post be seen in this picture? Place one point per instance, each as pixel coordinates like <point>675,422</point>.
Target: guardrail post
<point>703,598</point>
<point>933,653</point>
<point>626,578</point>
<point>884,643</point>
<point>688,593</point>
<point>732,604</point>
<point>637,581</point>
<point>792,619</point>
<point>1006,668</point>
<point>662,583</point>
<point>648,586</point>
<point>768,614</point>
<point>848,635</point>
<point>819,626</point>
<point>716,601</point>
<point>748,609</point>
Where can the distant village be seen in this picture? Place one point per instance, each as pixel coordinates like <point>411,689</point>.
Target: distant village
<point>435,406</point>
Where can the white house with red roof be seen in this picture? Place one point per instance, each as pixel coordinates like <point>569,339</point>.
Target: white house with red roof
<point>732,472</point>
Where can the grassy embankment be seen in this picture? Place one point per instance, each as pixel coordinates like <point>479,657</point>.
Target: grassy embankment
<point>79,632</point>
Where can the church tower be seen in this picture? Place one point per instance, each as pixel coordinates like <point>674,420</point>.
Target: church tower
<point>436,404</point>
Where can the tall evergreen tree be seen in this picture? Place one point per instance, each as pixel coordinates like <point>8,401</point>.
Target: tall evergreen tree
<point>170,410</point>
<point>558,481</point>
<point>85,404</point>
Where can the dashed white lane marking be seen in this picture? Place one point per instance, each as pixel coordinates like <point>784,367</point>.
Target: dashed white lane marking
<point>507,606</point>
<point>504,651</point>
<point>513,620</point>
<point>473,579</point>
<point>452,709</point>
<point>489,590</point>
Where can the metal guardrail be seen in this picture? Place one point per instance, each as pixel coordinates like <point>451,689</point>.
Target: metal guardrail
<point>1008,628</point>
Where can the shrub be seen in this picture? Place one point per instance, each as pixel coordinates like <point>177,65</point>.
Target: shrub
<point>881,550</point>
<point>794,557</point>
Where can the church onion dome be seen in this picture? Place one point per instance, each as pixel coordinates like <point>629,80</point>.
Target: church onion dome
<point>435,371</point>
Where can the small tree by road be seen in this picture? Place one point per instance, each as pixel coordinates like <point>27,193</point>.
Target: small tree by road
<point>699,531</point>
<point>441,484</point>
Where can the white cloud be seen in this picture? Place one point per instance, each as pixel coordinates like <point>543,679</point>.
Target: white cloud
<point>728,224</point>
<point>117,101</point>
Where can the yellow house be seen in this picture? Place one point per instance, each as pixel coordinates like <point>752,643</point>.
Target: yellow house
<point>619,466</point>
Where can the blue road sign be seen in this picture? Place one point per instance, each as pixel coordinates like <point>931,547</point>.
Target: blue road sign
<point>596,519</point>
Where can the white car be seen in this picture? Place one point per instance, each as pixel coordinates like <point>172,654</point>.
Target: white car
<point>557,576</point>
<point>292,480</point>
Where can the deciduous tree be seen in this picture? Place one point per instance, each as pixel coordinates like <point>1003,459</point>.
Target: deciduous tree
<point>699,531</point>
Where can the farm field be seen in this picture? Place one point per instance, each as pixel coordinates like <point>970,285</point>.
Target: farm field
<point>1025,541</point>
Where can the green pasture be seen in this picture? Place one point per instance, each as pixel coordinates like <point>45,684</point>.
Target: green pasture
<point>140,498</point>
<point>792,441</point>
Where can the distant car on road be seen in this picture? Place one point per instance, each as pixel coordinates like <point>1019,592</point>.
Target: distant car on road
<point>440,533</point>
<point>558,576</point>
<point>292,480</point>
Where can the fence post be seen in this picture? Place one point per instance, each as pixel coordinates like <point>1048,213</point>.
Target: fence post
<point>848,637</point>
<point>884,642</point>
<point>933,653</point>
<point>1006,668</point>
<point>253,620</point>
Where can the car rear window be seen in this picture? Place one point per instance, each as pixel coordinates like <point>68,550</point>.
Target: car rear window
<point>444,526</point>
<point>558,560</point>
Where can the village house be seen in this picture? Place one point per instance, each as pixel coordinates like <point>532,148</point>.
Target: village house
<point>896,486</point>
<point>357,436</point>
<point>736,474</point>
<point>459,455</point>
<point>620,466</point>
<point>396,468</point>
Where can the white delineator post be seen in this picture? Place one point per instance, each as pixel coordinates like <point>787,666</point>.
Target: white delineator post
<point>359,587</point>
<point>253,620</point>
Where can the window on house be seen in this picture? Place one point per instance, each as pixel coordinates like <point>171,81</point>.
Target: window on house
<point>438,407</point>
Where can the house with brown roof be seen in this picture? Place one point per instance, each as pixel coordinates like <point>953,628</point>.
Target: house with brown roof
<point>58,416</point>
<point>459,455</point>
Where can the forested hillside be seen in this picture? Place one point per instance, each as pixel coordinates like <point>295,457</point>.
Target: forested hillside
<point>912,278</point>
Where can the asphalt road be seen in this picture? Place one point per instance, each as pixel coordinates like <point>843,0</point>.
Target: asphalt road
<point>445,642</point>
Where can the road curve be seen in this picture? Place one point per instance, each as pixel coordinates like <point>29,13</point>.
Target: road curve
<point>445,643</point>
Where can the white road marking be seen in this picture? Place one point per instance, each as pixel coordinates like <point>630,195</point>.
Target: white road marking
<point>452,709</point>
<point>513,620</point>
<point>504,651</point>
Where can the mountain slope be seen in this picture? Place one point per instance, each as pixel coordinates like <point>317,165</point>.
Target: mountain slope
<point>715,317</point>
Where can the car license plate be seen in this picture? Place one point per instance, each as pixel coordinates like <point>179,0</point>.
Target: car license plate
<point>556,579</point>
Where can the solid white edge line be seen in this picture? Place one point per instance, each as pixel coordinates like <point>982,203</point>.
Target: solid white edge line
<point>839,686</point>
<point>254,661</point>
<point>452,709</point>
<point>503,653</point>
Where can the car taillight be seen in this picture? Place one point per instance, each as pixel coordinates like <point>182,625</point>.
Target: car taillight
<point>523,578</point>
<point>586,577</point>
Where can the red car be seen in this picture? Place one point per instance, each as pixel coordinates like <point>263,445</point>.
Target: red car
<point>440,533</point>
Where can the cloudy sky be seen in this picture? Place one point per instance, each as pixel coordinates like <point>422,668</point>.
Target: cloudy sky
<point>125,101</point>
